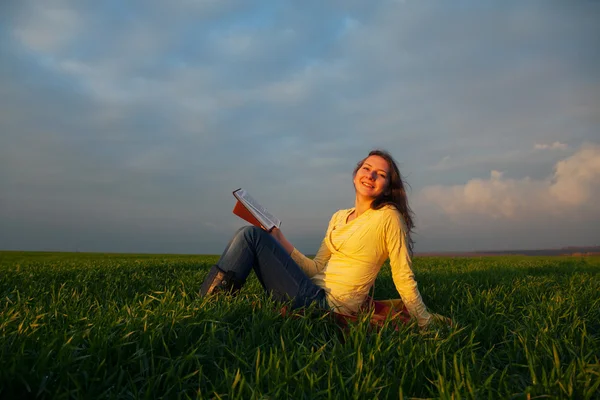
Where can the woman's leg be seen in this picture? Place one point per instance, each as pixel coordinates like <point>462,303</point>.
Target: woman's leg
<point>253,248</point>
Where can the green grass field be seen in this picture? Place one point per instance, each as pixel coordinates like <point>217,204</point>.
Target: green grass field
<point>132,326</point>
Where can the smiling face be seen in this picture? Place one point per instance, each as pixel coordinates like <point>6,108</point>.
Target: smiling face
<point>372,177</point>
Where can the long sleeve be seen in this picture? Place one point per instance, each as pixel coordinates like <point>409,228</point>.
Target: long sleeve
<point>314,266</point>
<point>402,273</point>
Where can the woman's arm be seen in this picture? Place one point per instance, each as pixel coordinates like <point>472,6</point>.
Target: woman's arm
<point>310,267</point>
<point>278,235</point>
<point>402,273</point>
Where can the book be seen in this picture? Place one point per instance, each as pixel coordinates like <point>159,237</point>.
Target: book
<point>250,210</point>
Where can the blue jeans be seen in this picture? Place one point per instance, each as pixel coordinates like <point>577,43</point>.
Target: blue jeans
<point>253,248</point>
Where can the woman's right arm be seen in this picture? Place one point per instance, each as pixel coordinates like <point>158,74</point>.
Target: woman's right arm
<point>310,267</point>
<point>278,235</point>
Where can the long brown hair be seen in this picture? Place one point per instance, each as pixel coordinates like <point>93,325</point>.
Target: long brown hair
<point>395,194</point>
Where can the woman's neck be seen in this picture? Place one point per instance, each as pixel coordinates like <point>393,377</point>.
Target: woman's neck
<point>361,205</point>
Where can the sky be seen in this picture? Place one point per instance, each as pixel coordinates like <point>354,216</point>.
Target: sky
<point>125,126</point>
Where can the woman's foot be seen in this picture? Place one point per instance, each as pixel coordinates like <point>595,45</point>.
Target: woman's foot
<point>219,281</point>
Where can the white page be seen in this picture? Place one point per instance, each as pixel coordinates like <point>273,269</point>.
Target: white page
<point>264,216</point>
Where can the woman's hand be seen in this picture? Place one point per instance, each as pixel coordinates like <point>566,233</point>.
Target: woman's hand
<point>436,321</point>
<point>440,320</point>
<point>278,235</point>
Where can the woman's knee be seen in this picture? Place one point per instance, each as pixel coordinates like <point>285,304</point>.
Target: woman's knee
<point>249,232</point>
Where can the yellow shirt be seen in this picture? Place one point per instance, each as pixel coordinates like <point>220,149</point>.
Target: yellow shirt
<point>352,254</point>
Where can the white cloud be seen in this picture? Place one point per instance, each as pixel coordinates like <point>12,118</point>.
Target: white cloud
<point>553,146</point>
<point>569,193</point>
<point>236,44</point>
<point>47,28</point>
<point>577,178</point>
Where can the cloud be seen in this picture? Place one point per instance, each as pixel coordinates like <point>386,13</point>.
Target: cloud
<point>156,109</point>
<point>48,27</point>
<point>576,180</point>
<point>553,146</point>
<point>570,192</point>
<point>501,213</point>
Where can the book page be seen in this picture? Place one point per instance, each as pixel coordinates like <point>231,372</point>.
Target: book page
<point>261,213</point>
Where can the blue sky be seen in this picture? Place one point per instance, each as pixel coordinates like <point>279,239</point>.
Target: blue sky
<point>125,127</point>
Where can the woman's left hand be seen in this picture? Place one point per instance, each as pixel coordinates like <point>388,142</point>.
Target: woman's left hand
<point>435,322</point>
<point>440,320</point>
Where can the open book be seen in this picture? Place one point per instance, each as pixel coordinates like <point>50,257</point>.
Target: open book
<point>249,209</point>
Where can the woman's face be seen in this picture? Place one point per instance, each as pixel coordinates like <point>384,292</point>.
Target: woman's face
<point>372,178</point>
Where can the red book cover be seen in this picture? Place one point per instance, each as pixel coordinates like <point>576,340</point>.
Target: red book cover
<point>243,213</point>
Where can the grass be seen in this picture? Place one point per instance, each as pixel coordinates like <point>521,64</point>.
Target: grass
<point>132,326</point>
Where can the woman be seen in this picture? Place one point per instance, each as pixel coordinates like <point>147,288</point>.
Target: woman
<point>357,243</point>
